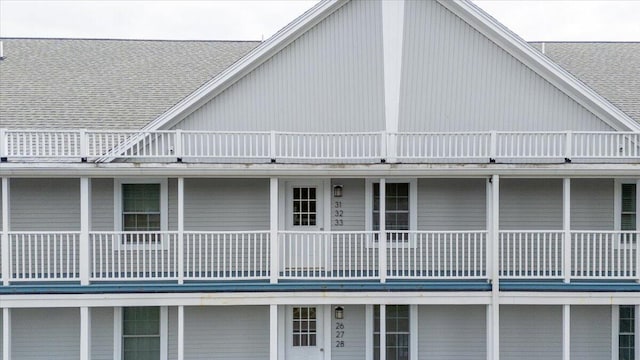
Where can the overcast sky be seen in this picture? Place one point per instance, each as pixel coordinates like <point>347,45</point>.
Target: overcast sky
<point>252,20</point>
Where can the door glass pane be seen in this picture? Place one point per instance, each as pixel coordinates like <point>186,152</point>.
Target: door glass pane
<point>304,326</point>
<point>304,206</point>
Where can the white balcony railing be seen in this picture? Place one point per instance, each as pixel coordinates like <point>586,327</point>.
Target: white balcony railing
<point>347,255</point>
<point>454,147</point>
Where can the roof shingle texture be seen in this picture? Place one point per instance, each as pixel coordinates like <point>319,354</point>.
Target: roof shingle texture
<point>104,84</point>
<point>612,69</point>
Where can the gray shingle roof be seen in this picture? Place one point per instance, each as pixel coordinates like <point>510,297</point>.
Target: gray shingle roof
<point>106,84</point>
<point>612,69</point>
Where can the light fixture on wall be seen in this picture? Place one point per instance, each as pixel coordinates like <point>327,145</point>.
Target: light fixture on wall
<point>339,312</point>
<point>337,191</point>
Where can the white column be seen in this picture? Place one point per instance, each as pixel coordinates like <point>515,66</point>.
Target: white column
<point>368,330</point>
<point>495,288</point>
<point>392,36</point>
<point>637,329</point>
<point>273,236</point>
<point>566,332</point>
<point>566,227</point>
<point>489,334</point>
<point>181,332</point>
<point>85,228</point>
<point>328,332</point>
<point>164,333</point>
<point>413,332</point>
<point>637,251</point>
<point>382,236</point>
<point>117,333</point>
<point>180,230</point>
<point>383,332</point>
<point>273,332</point>
<point>85,333</point>
<point>615,328</point>
<point>489,226</point>
<point>6,333</point>
<point>6,248</point>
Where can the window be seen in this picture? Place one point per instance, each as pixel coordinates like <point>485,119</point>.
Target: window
<point>304,206</point>
<point>396,206</point>
<point>626,334</point>
<point>141,333</point>
<point>627,211</point>
<point>141,208</point>
<point>304,326</point>
<point>397,329</point>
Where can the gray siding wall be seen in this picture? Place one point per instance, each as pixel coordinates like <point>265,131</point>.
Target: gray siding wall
<point>226,204</point>
<point>172,336</point>
<point>354,334</point>
<point>352,201</point>
<point>45,204</point>
<point>45,334</point>
<point>451,204</point>
<point>238,332</point>
<point>172,188</point>
<point>592,204</point>
<point>452,332</point>
<point>102,205</point>
<point>590,332</point>
<point>530,332</point>
<point>102,333</point>
<point>531,204</point>
<point>329,79</point>
<point>456,79</point>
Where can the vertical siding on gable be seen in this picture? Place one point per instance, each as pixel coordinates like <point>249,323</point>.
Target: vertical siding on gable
<point>530,332</point>
<point>354,334</point>
<point>456,79</point>
<point>329,79</point>
<point>102,333</point>
<point>590,332</point>
<point>592,204</point>
<point>52,334</point>
<point>451,204</point>
<point>102,205</point>
<point>226,204</point>
<point>226,332</point>
<point>45,204</point>
<point>352,201</point>
<point>451,332</point>
<point>531,204</point>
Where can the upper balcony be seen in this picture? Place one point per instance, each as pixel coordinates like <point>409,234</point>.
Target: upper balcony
<point>273,146</point>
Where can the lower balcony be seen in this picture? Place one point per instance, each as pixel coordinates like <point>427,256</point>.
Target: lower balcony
<point>349,255</point>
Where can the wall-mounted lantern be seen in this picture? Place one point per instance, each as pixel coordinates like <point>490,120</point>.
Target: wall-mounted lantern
<point>337,191</point>
<point>339,312</point>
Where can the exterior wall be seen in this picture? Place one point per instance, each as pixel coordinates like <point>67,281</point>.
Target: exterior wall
<point>531,204</point>
<point>172,336</point>
<point>102,333</point>
<point>443,90</point>
<point>45,204</point>
<point>452,332</point>
<point>221,332</point>
<point>590,332</point>
<point>352,205</point>
<point>530,332</point>
<point>451,204</point>
<point>45,334</point>
<point>102,205</point>
<point>329,79</point>
<point>592,204</point>
<point>226,204</point>
<point>354,334</point>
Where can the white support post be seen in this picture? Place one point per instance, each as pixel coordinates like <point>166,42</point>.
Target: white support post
<point>3,143</point>
<point>83,145</point>
<point>566,332</point>
<point>392,42</point>
<point>181,230</point>
<point>615,328</point>
<point>489,237</point>
<point>637,331</point>
<point>273,235</point>
<point>637,247</point>
<point>6,333</point>
<point>489,334</point>
<point>181,332</point>
<point>177,151</point>
<point>273,332</point>
<point>328,332</point>
<point>85,228</point>
<point>164,333</point>
<point>368,329</point>
<point>117,333</point>
<point>382,237</point>
<point>566,227</point>
<point>85,333</point>
<point>6,246</point>
<point>413,332</point>
<point>383,332</point>
<point>495,288</point>
<point>273,146</point>
<point>493,146</point>
<point>569,147</point>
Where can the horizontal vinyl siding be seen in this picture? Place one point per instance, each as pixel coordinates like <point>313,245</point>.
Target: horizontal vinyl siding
<point>531,204</point>
<point>172,336</point>
<point>352,201</point>
<point>451,332</point>
<point>102,205</point>
<point>456,79</point>
<point>52,334</point>
<point>329,79</point>
<point>102,333</point>
<point>451,204</point>
<point>592,204</point>
<point>226,204</point>
<point>354,334</point>
<point>227,332</point>
<point>530,332</point>
<point>590,332</point>
<point>172,186</point>
<point>45,204</point>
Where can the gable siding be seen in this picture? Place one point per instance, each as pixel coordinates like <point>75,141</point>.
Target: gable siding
<point>530,332</point>
<point>531,204</point>
<point>451,204</point>
<point>590,332</point>
<point>52,334</point>
<point>329,79</point>
<point>456,79</point>
<point>451,332</point>
<point>45,204</point>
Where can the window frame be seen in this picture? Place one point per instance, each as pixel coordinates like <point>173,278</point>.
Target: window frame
<point>413,209</point>
<point>118,207</point>
<point>617,205</point>
<point>160,335</point>
<point>411,318</point>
